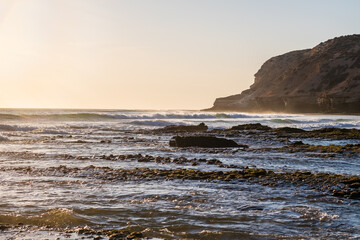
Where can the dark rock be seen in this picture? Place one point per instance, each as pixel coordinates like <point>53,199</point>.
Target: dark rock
<point>251,126</point>
<point>297,143</point>
<point>355,185</point>
<point>354,195</point>
<point>4,227</point>
<point>203,141</point>
<point>289,130</point>
<point>213,162</point>
<point>183,128</point>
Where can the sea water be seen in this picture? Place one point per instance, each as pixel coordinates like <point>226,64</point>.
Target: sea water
<point>41,198</point>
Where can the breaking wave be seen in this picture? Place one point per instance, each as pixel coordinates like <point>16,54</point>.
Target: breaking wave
<point>5,127</point>
<point>164,118</point>
<point>58,217</point>
<point>283,121</point>
<point>152,123</point>
<point>134,115</point>
<point>5,116</point>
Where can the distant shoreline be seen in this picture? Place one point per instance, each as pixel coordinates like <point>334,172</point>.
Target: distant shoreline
<point>270,112</point>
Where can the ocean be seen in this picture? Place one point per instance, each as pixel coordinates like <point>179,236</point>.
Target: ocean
<point>60,174</point>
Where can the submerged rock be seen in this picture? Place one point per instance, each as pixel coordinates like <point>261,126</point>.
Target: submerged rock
<point>203,141</point>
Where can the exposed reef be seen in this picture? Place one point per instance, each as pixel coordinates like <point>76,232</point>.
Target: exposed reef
<point>324,79</point>
<point>301,147</point>
<point>288,137</point>
<point>225,165</point>
<point>346,186</point>
<point>322,133</point>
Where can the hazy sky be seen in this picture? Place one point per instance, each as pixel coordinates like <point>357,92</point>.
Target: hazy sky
<point>152,54</point>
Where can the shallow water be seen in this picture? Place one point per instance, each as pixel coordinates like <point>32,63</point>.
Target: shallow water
<point>41,199</point>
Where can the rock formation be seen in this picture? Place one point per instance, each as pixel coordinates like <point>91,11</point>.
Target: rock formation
<point>324,79</point>
<point>183,128</point>
<point>203,141</point>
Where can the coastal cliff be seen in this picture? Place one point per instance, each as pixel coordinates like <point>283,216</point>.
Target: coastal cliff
<point>324,79</point>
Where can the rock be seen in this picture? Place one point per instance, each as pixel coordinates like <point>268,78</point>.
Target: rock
<point>251,126</point>
<point>135,235</point>
<point>116,236</point>
<point>289,130</point>
<point>354,195</point>
<point>213,162</point>
<point>324,79</point>
<point>203,141</point>
<point>355,185</point>
<point>297,143</point>
<point>335,133</point>
<point>4,227</point>
<point>183,128</point>
<point>299,146</point>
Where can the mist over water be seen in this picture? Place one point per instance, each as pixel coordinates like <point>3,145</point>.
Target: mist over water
<point>56,173</point>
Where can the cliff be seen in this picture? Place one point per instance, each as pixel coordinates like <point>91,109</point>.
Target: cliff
<point>324,79</point>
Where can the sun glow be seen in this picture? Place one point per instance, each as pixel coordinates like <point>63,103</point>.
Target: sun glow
<point>132,54</point>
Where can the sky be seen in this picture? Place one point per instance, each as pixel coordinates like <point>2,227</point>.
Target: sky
<point>152,54</point>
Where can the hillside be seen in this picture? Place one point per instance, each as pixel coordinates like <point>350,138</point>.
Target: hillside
<point>324,79</point>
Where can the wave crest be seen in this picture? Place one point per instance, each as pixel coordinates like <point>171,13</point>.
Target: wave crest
<point>5,127</point>
<point>283,121</point>
<point>77,116</point>
<point>57,218</point>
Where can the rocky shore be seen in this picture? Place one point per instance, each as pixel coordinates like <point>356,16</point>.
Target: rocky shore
<point>347,186</point>
<point>184,167</point>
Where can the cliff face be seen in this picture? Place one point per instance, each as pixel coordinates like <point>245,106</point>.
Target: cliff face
<point>324,79</point>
